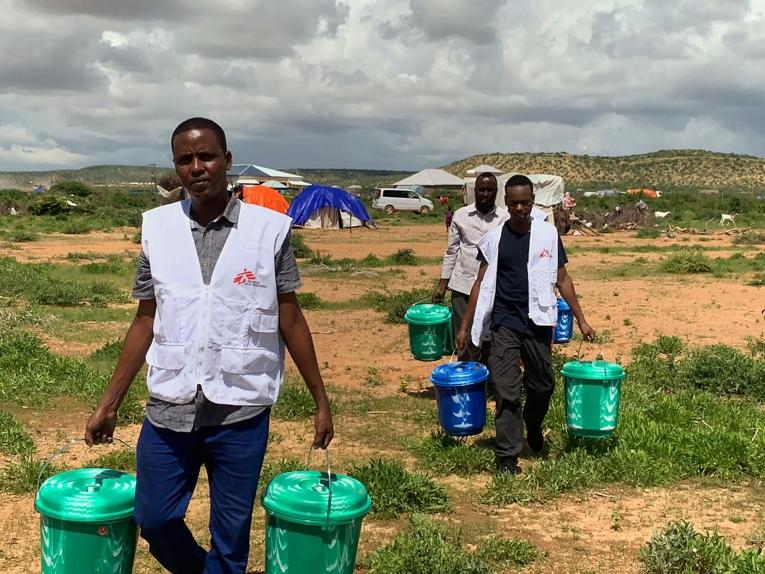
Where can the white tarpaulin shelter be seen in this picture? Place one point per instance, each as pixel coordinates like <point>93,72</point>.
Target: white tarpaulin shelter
<point>431,178</point>
<point>332,218</point>
<point>485,168</point>
<point>548,189</point>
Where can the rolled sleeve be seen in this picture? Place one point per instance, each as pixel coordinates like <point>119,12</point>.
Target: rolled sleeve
<point>287,273</point>
<point>143,286</point>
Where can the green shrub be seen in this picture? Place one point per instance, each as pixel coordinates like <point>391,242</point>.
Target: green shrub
<point>395,305</point>
<point>427,548</point>
<point>59,293</point>
<point>51,205</point>
<point>679,549</point>
<point>110,351</point>
<point>396,491</point>
<point>403,257</point>
<point>22,236</point>
<point>689,261</point>
<point>13,438</point>
<point>505,553</point>
<point>71,187</point>
<point>648,233</point>
<point>309,301</point>
<point>299,246</point>
<point>724,370</point>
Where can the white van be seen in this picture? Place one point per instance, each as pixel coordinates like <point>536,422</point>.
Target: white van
<point>392,199</point>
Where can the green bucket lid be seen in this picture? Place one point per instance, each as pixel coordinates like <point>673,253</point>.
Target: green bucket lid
<point>427,314</point>
<point>87,495</point>
<point>592,370</point>
<point>303,496</point>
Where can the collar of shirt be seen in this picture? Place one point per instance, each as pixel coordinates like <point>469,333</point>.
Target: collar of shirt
<point>474,210</point>
<point>230,213</point>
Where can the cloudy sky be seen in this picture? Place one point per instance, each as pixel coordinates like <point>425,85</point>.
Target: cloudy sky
<point>396,84</point>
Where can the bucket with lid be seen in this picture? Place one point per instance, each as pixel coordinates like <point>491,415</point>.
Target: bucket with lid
<point>461,397</point>
<point>430,331</point>
<point>564,328</point>
<point>313,522</point>
<point>593,390</point>
<point>86,522</point>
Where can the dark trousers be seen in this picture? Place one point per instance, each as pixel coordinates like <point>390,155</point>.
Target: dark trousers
<point>168,465</point>
<point>459,307</point>
<point>508,348</point>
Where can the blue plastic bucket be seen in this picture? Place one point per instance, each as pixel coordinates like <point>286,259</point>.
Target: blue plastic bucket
<point>461,397</point>
<point>564,328</point>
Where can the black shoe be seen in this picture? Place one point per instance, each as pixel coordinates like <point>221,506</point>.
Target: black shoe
<point>508,465</point>
<point>536,440</point>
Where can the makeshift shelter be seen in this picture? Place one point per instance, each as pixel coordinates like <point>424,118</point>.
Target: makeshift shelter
<point>266,197</point>
<point>245,173</point>
<point>431,178</point>
<point>319,206</point>
<point>484,168</point>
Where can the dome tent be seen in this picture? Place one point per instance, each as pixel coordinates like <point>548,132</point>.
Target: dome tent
<point>265,196</point>
<point>325,207</point>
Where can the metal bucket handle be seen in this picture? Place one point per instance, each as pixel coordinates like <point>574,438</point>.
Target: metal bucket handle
<point>329,478</point>
<point>64,449</point>
<point>600,354</point>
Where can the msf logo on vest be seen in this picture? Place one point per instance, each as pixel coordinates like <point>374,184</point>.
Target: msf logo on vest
<point>545,253</point>
<point>246,277</point>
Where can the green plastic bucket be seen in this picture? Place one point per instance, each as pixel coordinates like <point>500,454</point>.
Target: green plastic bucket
<point>430,331</point>
<point>309,530</point>
<point>593,390</point>
<point>86,522</point>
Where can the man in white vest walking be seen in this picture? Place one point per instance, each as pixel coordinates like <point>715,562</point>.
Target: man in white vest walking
<point>514,300</point>
<point>216,287</point>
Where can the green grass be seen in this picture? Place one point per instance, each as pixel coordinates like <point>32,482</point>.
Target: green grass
<point>680,549</point>
<point>447,455</point>
<point>396,491</point>
<point>24,475</point>
<point>30,375</point>
<point>123,459</point>
<point>402,257</point>
<point>14,439</point>
<point>750,238</point>
<point>430,547</point>
<point>299,246</point>
<point>295,401</point>
<point>270,470</point>
<point>309,301</point>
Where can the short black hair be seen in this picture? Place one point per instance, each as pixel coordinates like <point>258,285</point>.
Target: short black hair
<point>519,180</point>
<point>489,176</point>
<point>201,124</point>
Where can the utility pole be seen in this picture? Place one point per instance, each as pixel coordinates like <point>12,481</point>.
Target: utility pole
<point>153,167</point>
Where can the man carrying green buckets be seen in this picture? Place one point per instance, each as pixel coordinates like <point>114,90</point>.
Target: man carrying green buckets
<point>514,299</point>
<point>216,285</point>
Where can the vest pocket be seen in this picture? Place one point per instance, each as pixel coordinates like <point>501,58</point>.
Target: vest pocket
<point>243,361</point>
<point>166,356</point>
<point>261,322</point>
<point>542,286</point>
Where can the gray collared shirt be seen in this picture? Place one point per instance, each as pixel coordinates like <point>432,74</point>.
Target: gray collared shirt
<point>460,260</point>
<point>209,241</point>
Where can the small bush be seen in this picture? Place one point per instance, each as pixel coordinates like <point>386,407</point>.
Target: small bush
<point>403,257</point>
<point>396,491</point>
<point>309,301</point>
<point>689,261</point>
<point>648,233</point>
<point>51,205</point>
<point>724,370</point>
<point>395,305</point>
<point>679,549</point>
<point>60,293</point>
<point>299,246</point>
<point>109,352</point>
<point>13,438</point>
<point>448,455</point>
<point>505,553</point>
<point>426,549</point>
<point>71,187</point>
<point>23,236</point>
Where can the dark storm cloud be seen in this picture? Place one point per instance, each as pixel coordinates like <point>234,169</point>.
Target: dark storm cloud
<point>473,20</point>
<point>131,10</point>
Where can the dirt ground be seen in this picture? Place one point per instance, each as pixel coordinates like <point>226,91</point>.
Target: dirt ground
<point>593,532</point>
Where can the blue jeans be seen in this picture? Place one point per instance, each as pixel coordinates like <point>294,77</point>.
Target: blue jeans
<point>168,465</point>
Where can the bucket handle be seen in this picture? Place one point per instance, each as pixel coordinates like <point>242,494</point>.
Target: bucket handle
<point>600,354</point>
<point>329,478</point>
<point>66,448</point>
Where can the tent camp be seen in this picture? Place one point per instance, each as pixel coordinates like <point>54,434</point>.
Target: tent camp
<point>319,206</point>
<point>265,196</point>
<point>431,178</point>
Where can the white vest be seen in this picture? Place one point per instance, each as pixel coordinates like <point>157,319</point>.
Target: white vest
<point>223,336</point>
<point>542,269</point>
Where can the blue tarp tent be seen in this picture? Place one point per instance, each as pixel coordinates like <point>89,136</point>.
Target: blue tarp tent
<point>319,206</point>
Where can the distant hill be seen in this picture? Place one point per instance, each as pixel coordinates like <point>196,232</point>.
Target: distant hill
<point>93,175</point>
<point>666,169</point>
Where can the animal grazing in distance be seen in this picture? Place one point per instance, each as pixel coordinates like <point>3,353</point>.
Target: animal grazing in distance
<point>661,214</point>
<point>728,218</point>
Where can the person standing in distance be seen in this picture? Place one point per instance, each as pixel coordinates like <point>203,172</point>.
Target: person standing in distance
<point>513,298</point>
<point>460,265</point>
<point>216,284</point>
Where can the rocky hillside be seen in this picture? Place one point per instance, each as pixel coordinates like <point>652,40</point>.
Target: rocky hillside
<point>666,169</point>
